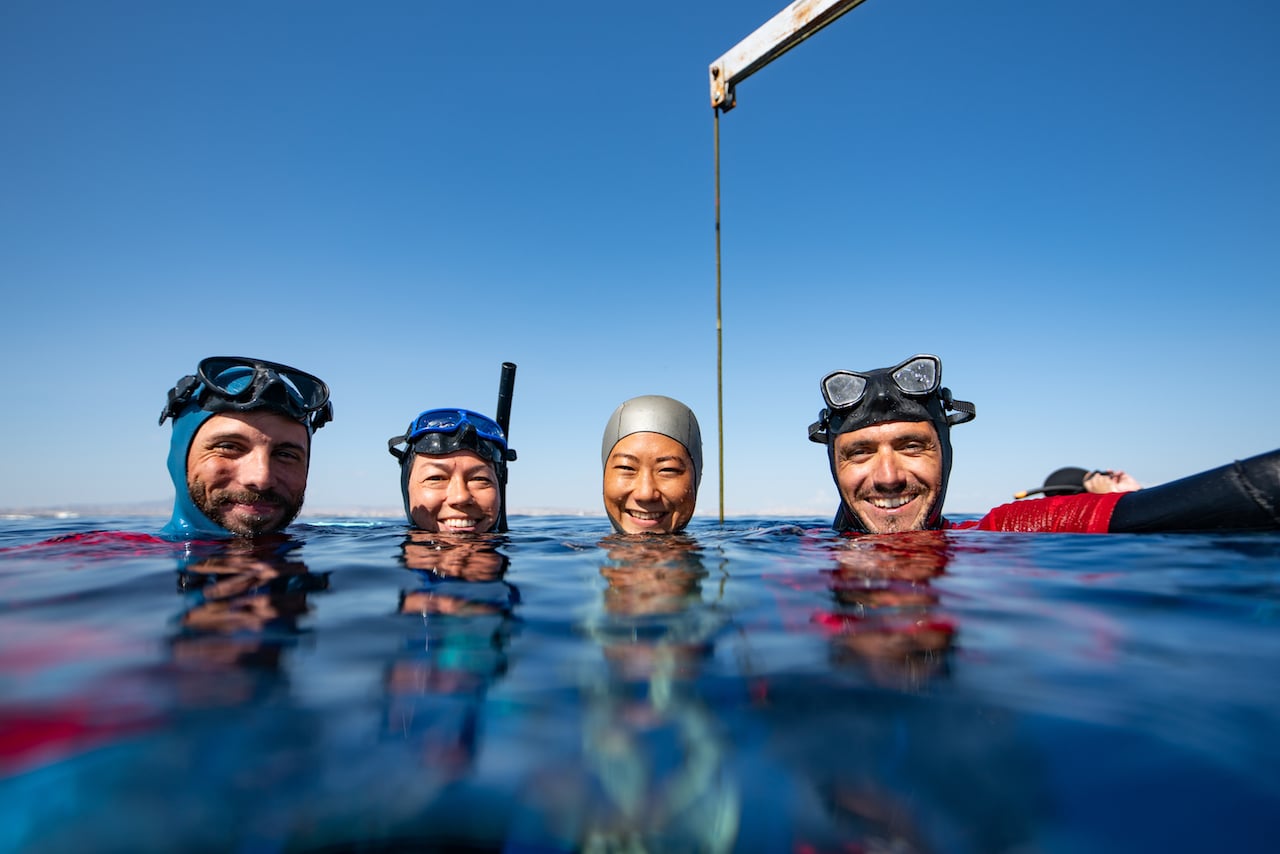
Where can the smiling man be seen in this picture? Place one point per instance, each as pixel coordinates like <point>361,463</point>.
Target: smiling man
<point>652,458</point>
<point>241,446</point>
<point>888,438</point>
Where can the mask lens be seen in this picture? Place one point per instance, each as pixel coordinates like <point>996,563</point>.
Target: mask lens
<point>450,420</point>
<point>309,391</point>
<point>919,376</point>
<point>436,421</point>
<point>843,389</point>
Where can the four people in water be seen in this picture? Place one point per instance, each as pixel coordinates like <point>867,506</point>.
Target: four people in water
<point>241,446</point>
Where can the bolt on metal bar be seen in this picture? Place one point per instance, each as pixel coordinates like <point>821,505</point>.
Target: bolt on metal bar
<point>778,35</point>
<point>775,37</point>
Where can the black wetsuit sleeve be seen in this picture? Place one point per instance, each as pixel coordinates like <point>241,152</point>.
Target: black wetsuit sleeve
<point>1242,496</point>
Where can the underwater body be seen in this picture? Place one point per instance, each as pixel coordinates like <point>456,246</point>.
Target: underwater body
<point>762,686</point>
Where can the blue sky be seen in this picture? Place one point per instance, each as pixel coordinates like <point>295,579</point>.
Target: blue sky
<point>1075,205</point>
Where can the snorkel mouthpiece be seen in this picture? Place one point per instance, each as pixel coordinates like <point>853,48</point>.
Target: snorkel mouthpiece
<point>909,391</point>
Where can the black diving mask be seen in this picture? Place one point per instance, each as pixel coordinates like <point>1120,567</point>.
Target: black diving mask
<point>236,384</point>
<point>909,391</point>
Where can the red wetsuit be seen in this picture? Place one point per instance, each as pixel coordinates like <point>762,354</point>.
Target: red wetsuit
<point>1086,513</point>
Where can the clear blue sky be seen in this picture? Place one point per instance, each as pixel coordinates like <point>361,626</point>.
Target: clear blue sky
<point>1076,205</point>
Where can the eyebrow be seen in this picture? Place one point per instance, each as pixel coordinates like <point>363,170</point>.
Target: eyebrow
<point>632,458</point>
<point>223,435</point>
<point>468,468</point>
<point>922,436</point>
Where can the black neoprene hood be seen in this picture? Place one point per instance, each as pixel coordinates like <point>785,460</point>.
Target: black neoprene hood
<point>883,399</point>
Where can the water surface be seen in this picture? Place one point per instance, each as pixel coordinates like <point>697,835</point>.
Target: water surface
<point>762,686</point>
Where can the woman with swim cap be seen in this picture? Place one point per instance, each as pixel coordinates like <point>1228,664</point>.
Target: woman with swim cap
<point>652,459</point>
<point>453,471</point>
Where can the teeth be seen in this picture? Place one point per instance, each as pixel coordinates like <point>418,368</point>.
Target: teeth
<point>650,517</point>
<point>890,503</point>
<point>458,523</point>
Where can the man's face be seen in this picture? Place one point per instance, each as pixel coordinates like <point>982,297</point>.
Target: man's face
<point>648,484</point>
<point>455,492</point>
<point>1110,481</point>
<point>890,474</point>
<point>247,471</point>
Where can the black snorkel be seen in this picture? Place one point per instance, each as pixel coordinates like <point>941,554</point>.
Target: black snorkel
<point>506,387</point>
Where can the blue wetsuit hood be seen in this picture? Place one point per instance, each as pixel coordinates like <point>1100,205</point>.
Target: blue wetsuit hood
<point>187,522</point>
<point>191,404</point>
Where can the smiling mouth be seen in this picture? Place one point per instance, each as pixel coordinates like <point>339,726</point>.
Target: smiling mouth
<point>893,502</point>
<point>645,516</point>
<point>259,506</point>
<point>458,524</point>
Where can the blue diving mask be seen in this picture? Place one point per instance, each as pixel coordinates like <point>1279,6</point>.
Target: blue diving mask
<point>443,431</point>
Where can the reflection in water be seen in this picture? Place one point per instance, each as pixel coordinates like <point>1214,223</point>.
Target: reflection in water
<point>885,618</point>
<point>246,598</point>
<point>884,762</point>
<point>751,689</point>
<point>461,616</point>
<point>652,772</point>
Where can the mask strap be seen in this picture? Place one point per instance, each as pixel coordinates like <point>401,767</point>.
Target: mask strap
<point>179,397</point>
<point>818,429</point>
<point>964,410</point>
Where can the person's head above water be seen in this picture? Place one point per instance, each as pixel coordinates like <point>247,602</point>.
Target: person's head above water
<point>888,438</point>
<point>652,459</point>
<point>1073,480</point>
<point>241,445</point>
<point>452,470</point>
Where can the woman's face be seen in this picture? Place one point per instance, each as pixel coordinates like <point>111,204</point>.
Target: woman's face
<point>648,484</point>
<point>455,492</point>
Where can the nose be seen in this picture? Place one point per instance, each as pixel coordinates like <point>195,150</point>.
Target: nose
<point>459,493</point>
<point>646,488</point>
<point>886,474</point>
<point>255,469</point>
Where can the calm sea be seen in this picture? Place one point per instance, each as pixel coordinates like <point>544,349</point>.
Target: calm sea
<point>765,686</point>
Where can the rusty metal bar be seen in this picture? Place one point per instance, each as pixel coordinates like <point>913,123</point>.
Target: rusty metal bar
<point>775,37</point>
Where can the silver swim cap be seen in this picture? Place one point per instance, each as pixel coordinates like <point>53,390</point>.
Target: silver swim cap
<point>653,413</point>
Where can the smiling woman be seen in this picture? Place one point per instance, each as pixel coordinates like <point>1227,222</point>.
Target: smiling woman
<point>451,471</point>
<point>652,459</point>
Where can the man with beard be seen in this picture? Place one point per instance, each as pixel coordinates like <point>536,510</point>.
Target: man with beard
<point>241,446</point>
<point>888,438</point>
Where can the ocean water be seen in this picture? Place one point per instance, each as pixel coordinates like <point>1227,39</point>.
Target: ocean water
<point>765,686</point>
